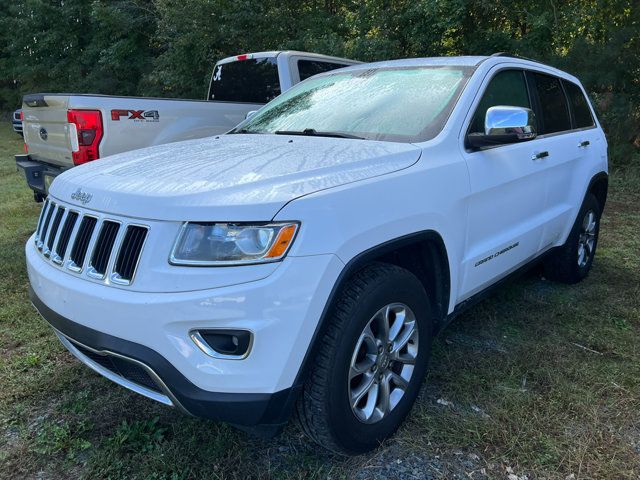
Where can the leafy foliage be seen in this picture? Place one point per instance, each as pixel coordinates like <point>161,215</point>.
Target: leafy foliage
<point>168,47</point>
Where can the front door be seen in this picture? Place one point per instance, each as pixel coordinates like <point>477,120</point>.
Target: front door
<point>506,206</point>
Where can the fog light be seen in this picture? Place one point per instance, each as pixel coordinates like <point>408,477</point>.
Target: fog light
<point>223,343</point>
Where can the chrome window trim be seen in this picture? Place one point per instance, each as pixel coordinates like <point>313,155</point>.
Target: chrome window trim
<point>466,123</point>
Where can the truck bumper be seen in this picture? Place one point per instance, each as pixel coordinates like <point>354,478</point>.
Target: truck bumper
<point>38,175</point>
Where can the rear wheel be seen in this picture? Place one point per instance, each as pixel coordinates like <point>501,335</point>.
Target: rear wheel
<point>371,363</point>
<point>572,262</point>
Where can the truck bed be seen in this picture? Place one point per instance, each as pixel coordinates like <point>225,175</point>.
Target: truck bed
<point>128,123</point>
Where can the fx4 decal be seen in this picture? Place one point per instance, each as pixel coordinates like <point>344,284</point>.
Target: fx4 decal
<point>136,115</point>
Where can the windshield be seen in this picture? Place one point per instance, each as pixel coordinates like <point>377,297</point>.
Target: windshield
<point>250,81</point>
<point>394,104</point>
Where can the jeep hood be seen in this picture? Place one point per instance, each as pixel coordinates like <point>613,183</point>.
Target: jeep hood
<point>228,177</point>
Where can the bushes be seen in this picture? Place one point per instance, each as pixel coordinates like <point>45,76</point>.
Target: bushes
<point>167,47</point>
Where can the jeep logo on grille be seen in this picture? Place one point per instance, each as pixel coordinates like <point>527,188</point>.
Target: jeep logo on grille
<point>81,196</point>
<point>43,134</point>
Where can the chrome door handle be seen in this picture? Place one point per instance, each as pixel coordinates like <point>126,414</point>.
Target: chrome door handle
<point>586,143</point>
<point>539,155</point>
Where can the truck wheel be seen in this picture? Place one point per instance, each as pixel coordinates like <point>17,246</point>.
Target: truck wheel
<point>371,361</point>
<point>572,262</point>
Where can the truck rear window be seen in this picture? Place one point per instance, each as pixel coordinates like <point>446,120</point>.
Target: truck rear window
<point>250,81</point>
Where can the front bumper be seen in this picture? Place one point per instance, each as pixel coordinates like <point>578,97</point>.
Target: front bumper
<point>172,387</point>
<point>282,310</point>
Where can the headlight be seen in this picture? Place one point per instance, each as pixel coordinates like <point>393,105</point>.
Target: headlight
<point>232,244</point>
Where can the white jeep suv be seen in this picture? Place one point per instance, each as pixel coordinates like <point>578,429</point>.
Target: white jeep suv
<point>304,261</point>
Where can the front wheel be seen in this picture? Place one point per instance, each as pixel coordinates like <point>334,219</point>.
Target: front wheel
<point>371,363</point>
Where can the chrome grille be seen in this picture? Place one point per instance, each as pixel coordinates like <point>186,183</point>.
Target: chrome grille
<point>41,219</point>
<point>54,230</point>
<point>86,244</point>
<point>127,260</point>
<point>45,226</point>
<point>65,235</point>
<point>103,248</point>
<point>81,244</point>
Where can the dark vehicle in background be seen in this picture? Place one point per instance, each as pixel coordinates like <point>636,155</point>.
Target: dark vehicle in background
<point>16,121</point>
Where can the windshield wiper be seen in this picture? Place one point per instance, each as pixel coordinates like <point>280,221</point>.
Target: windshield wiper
<point>312,132</point>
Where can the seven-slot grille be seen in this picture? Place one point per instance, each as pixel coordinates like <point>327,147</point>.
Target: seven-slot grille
<point>106,249</point>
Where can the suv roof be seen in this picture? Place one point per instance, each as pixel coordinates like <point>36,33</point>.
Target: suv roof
<point>462,61</point>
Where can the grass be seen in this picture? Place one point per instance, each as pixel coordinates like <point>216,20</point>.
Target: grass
<point>541,380</point>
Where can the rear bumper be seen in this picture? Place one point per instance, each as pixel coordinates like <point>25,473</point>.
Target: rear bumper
<point>169,385</point>
<point>36,173</point>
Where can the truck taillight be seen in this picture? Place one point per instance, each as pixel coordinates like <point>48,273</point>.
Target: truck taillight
<point>21,116</point>
<point>88,125</point>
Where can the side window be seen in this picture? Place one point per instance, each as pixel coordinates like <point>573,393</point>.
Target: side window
<point>507,88</point>
<point>309,68</point>
<point>553,104</point>
<point>579,106</point>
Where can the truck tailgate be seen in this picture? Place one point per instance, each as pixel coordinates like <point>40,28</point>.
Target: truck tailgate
<point>46,128</point>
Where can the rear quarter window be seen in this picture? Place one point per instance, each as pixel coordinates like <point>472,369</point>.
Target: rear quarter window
<point>579,106</point>
<point>245,81</point>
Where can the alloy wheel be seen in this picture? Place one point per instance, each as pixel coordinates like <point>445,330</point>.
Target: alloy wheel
<point>383,362</point>
<point>587,238</point>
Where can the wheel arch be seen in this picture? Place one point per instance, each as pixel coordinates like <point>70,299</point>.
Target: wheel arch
<point>422,253</point>
<point>599,186</point>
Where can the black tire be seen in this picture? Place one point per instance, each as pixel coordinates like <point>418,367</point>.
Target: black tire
<point>324,410</point>
<point>565,264</point>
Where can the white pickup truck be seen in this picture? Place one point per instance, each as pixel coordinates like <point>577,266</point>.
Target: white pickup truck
<point>65,130</point>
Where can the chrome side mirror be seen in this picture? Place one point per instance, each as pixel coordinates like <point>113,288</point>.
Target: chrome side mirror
<point>250,114</point>
<point>505,124</point>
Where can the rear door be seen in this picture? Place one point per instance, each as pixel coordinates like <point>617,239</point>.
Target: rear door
<point>46,128</point>
<point>567,146</point>
<point>583,146</point>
